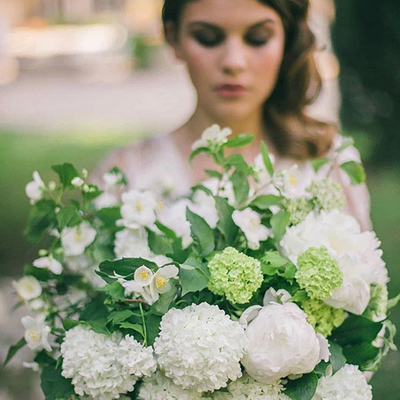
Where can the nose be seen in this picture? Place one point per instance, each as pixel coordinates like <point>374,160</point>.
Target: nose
<point>233,56</point>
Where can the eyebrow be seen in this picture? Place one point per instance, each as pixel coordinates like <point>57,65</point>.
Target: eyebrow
<point>213,26</point>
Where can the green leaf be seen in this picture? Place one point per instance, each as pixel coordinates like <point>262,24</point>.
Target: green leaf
<point>199,151</point>
<point>163,304</point>
<point>135,327</point>
<point>241,186</point>
<point>153,328</point>
<point>203,188</point>
<point>193,276</point>
<point>239,141</point>
<point>41,274</point>
<point>41,218</point>
<point>355,171</point>
<point>202,234</point>
<point>158,244</point>
<point>54,385</point>
<point>361,353</point>
<point>393,302</point>
<point>94,310</point>
<point>125,266</point>
<point>337,359</point>
<point>115,290</point>
<point>303,388</point>
<point>116,317</point>
<point>265,201</point>
<point>109,215</point>
<point>68,217</point>
<point>279,222</point>
<point>267,160</point>
<point>271,262</point>
<point>13,350</point>
<point>66,173</point>
<point>319,163</point>
<point>212,173</point>
<point>225,224</point>
<point>92,193</point>
<point>69,323</point>
<point>357,329</point>
<point>236,160</point>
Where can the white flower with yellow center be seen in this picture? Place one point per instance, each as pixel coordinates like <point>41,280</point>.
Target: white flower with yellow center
<point>28,288</point>
<point>294,181</point>
<point>250,223</point>
<point>49,263</point>
<point>34,189</point>
<point>212,136</point>
<point>138,210</point>
<point>143,276</point>
<point>75,240</point>
<point>36,332</point>
<point>161,281</point>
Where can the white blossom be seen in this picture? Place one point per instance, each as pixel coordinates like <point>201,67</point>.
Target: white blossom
<point>347,384</point>
<point>36,332</point>
<point>281,342</point>
<point>34,366</point>
<point>34,189</point>
<point>49,263</point>
<point>106,200</point>
<point>357,253</point>
<point>74,240</point>
<point>204,205</point>
<point>263,177</point>
<point>249,222</point>
<point>212,136</point>
<point>131,243</point>
<point>28,288</point>
<point>104,366</point>
<point>200,347</point>
<point>159,387</point>
<point>294,181</point>
<point>77,182</point>
<point>138,209</point>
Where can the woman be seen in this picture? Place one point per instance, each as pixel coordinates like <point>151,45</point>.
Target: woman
<point>251,63</point>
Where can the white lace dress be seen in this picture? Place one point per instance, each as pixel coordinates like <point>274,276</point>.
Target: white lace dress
<point>159,165</point>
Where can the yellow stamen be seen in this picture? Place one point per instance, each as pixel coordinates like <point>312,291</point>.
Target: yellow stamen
<point>139,206</point>
<point>293,180</point>
<point>160,282</point>
<point>144,275</point>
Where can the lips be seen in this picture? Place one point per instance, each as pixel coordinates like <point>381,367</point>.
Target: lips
<point>231,90</point>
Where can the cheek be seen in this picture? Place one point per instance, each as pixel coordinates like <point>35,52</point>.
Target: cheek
<point>266,65</point>
<point>200,64</point>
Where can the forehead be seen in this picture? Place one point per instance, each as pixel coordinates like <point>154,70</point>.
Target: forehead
<point>228,13</point>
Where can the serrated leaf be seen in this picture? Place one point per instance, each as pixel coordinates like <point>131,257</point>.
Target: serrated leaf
<point>355,171</point>
<point>279,223</point>
<point>125,266</point>
<point>271,262</point>
<point>115,290</point>
<point>66,173</point>
<point>239,141</point>
<point>13,350</point>
<point>266,159</point>
<point>241,186</point>
<point>158,244</point>
<point>265,201</point>
<point>303,388</point>
<point>116,317</point>
<point>54,385</point>
<point>337,358</point>
<point>202,234</point>
<point>193,276</point>
<point>225,224</point>
<point>68,217</point>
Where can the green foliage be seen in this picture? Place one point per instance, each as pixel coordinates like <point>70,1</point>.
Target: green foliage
<point>193,276</point>
<point>202,234</point>
<point>54,385</point>
<point>41,219</point>
<point>225,224</point>
<point>66,172</point>
<point>13,350</point>
<point>303,388</point>
<point>355,171</point>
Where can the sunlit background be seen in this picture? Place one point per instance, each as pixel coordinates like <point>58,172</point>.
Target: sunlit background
<point>81,77</point>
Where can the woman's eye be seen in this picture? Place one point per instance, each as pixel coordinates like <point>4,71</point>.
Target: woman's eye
<point>208,39</point>
<point>256,40</point>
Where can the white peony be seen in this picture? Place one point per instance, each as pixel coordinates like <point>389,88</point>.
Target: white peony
<point>212,136</point>
<point>174,217</point>
<point>28,288</point>
<point>159,387</point>
<point>249,222</point>
<point>74,240</point>
<point>34,189</point>
<point>347,384</point>
<point>138,209</point>
<point>36,332</point>
<point>247,388</point>
<point>131,243</point>
<point>281,342</point>
<point>200,347</point>
<point>104,366</point>
<point>49,263</point>
<point>357,253</point>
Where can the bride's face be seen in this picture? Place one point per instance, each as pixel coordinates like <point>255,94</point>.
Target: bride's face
<point>233,50</point>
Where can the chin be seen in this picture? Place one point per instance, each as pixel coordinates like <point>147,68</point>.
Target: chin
<point>230,113</point>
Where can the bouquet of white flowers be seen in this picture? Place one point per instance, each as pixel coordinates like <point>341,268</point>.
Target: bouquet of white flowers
<point>256,286</point>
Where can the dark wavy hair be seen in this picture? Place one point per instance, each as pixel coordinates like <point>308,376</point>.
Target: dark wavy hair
<point>293,132</point>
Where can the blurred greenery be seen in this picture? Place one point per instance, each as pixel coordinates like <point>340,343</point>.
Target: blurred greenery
<point>21,153</point>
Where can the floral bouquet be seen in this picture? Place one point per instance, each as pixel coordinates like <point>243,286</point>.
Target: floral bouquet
<point>256,286</point>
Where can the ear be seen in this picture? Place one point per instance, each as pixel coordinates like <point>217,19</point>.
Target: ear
<point>171,34</point>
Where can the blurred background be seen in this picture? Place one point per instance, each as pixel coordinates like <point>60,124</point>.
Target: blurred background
<point>81,77</point>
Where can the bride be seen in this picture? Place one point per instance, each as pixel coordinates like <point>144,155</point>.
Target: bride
<point>252,65</point>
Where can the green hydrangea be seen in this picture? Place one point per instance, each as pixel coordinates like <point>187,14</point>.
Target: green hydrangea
<point>327,194</point>
<point>322,317</point>
<point>377,308</point>
<point>297,209</point>
<point>234,275</point>
<point>318,273</point>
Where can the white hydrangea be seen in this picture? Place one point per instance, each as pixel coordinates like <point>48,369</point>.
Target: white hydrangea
<point>247,388</point>
<point>347,384</point>
<point>74,240</point>
<point>357,253</point>
<point>200,347</point>
<point>212,136</point>
<point>159,387</point>
<point>34,189</point>
<point>104,366</point>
